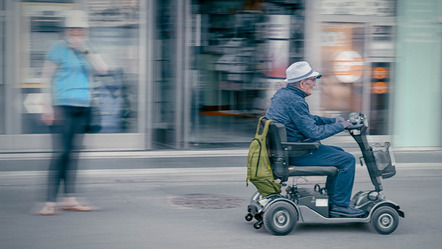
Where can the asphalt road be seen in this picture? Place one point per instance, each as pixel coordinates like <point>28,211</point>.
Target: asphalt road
<point>198,207</point>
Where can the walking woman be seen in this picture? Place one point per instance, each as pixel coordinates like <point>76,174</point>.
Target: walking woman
<point>68,70</point>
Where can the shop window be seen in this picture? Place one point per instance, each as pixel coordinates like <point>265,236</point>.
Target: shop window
<point>246,46</point>
<point>113,32</point>
<point>342,67</point>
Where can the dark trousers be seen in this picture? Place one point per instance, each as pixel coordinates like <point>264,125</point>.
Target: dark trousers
<point>339,187</point>
<point>68,129</point>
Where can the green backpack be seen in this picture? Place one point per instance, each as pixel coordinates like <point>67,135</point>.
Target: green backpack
<point>259,171</point>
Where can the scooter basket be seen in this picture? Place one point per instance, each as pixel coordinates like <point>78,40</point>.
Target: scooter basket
<point>384,159</point>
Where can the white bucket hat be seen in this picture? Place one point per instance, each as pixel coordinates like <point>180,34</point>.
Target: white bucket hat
<point>76,19</point>
<point>300,70</point>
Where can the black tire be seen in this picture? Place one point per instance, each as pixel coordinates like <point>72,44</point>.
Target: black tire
<point>280,218</point>
<point>385,220</point>
<point>249,217</point>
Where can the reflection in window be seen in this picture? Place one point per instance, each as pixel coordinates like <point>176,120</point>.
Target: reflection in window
<point>113,32</point>
<point>245,48</point>
<point>342,68</point>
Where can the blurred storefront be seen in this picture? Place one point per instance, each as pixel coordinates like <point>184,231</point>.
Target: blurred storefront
<point>28,30</point>
<point>380,57</point>
<point>240,60</point>
<point>355,49</point>
<point>197,73</point>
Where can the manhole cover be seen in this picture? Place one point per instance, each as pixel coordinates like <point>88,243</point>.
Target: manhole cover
<point>208,201</point>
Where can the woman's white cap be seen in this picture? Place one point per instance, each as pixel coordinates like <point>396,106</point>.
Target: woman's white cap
<point>76,19</point>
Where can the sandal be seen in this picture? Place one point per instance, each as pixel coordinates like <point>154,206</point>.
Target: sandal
<point>77,207</point>
<point>47,210</point>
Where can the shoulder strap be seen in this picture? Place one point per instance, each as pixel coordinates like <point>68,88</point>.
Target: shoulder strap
<point>259,124</point>
<point>266,128</point>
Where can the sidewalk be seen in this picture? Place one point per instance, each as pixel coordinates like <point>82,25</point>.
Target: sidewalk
<point>184,158</point>
<point>152,208</point>
<point>131,154</point>
<point>196,199</point>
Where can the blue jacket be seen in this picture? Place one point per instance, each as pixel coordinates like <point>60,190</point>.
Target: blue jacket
<point>290,108</point>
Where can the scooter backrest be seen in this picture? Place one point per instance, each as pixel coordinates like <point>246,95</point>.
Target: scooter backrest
<point>278,157</point>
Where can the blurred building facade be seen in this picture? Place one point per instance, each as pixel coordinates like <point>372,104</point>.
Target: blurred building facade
<point>196,73</point>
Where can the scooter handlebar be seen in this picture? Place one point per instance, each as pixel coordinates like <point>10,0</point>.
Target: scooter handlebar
<point>352,127</point>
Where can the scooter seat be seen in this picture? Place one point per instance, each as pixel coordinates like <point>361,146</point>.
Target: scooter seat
<point>280,152</point>
<point>312,171</point>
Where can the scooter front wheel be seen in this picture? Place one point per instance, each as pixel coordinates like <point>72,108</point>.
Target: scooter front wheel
<point>280,218</point>
<point>385,220</point>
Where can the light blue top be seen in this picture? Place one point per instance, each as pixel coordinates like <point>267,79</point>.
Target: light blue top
<point>70,83</point>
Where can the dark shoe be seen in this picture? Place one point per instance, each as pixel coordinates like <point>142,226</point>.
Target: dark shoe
<point>338,211</point>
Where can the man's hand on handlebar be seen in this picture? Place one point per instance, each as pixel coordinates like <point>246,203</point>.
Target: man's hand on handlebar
<point>344,122</point>
<point>340,119</point>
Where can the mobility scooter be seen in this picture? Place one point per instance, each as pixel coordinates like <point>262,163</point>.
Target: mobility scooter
<point>280,212</point>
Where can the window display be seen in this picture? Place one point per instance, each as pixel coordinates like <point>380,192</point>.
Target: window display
<point>245,49</point>
<point>342,67</point>
<point>113,33</point>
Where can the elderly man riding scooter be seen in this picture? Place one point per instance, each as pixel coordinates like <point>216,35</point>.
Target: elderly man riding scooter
<point>290,108</point>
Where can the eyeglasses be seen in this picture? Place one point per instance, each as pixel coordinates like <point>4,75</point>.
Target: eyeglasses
<point>312,79</point>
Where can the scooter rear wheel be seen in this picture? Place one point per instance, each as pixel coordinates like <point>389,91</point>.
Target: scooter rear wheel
<point>280,218</point>
<point>385,220</point>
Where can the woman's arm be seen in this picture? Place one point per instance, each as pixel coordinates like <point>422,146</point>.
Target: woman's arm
<point>96,61</point>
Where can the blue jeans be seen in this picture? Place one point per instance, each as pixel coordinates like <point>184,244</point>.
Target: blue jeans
<point>68,129</point>
<point>340,186</point>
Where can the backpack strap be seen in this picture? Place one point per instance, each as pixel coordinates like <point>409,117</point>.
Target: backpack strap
<point>266,127</point>
<point>259,124</point>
